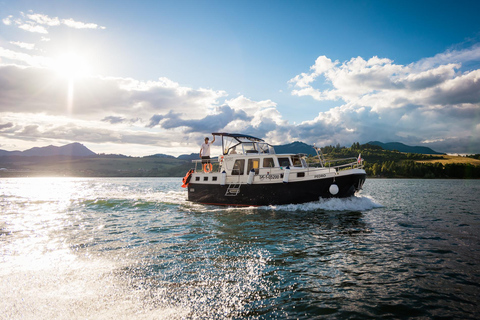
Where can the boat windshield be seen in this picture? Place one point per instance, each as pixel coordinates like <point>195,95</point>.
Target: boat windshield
<point>297,161</point>
<point>243,145</point>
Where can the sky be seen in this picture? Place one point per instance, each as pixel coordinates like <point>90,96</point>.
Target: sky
<point>146,77</point>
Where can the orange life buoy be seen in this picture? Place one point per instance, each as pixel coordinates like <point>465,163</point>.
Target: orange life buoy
<point>186,179</point>
<point>207,167</point>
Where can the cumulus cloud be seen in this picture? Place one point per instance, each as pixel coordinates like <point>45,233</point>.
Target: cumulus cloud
<point>61,130</point>
<point>33,89</point>
<point>210,123</point>
<point>431,100</point>
<point>166,106</point>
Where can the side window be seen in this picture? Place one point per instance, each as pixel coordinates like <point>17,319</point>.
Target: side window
<point>253,164</point>
<point>283,162</point>
<point>268,163</point>
<point>238,167</point>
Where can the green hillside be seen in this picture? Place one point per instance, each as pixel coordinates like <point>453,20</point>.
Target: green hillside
<point>394,164</point>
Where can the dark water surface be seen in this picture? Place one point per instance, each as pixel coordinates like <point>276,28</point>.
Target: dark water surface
<point>136,249</point>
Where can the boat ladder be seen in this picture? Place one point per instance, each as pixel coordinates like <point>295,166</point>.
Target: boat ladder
<point>233,189</point>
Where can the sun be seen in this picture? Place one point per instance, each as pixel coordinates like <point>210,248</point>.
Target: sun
<point>72,66</point>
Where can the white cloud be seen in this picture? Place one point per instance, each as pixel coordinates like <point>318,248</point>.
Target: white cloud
<point>44,19</point>
<point>24,58</point>
<point>30,90</point>
<point>249,106</point>
<point>431,100</point>
<point>8,20</point>
<point>33,28</point>
<point>451,56</point>
<point>80,25</point>
<point>39,23</point>
<point>33,102</point>
<point>23,45</point>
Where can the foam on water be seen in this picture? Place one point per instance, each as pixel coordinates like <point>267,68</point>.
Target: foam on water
<point>356,203</point>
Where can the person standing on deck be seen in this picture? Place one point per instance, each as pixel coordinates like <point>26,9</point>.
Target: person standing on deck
<point>205,150</point>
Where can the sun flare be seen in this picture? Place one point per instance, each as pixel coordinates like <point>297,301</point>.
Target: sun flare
<point>72,66</point>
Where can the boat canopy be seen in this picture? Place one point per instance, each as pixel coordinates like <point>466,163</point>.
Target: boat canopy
<point>237,136</point>
<point>236,143</point>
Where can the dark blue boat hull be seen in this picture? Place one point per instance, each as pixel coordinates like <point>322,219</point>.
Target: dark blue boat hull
<point>276,193</point>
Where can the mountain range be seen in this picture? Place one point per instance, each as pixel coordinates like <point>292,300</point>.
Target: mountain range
<point>79,150</point>
<point>295,147</point>
<point>73,150</point>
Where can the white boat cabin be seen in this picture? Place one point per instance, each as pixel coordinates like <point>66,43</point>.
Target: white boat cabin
<point>250,160</point>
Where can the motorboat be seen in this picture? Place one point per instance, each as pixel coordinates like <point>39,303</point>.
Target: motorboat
<point>250,173</point>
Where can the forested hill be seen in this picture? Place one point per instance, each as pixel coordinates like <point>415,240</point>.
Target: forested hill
<point>394,164</point>
<point>398,146</point>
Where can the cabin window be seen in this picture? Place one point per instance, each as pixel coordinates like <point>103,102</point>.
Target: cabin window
<point>214,178</point>
<point>197,178</point>
<point>300,174</point>
<point>238,167</point>
<point>205,178</point>
<point>268,163</point>
<point>253,164</point>
<point>297,162</point>
<point>283,162</point>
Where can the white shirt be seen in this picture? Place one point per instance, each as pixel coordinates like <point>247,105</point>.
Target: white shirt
<point>205,149</point>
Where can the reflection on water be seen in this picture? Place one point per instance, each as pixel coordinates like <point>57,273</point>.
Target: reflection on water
<point>135,248</point>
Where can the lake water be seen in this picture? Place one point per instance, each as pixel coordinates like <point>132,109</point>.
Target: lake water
<point>74,248</point>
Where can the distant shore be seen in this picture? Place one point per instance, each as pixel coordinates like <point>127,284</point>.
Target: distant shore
<point>378,163</point>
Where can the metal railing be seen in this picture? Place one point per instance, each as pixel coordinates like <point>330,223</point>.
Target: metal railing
<point>351,163</point>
